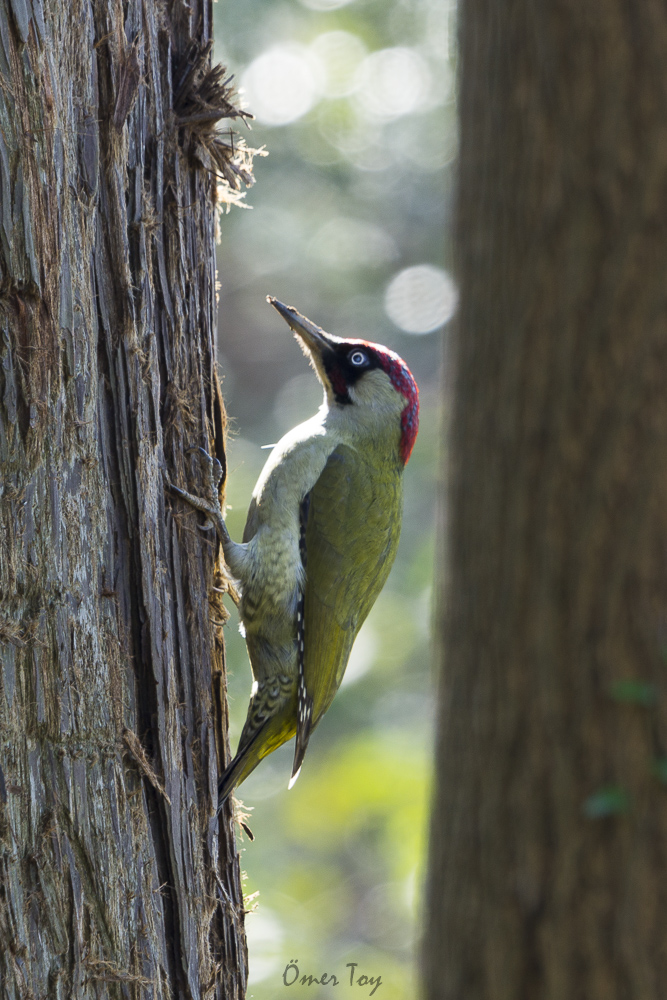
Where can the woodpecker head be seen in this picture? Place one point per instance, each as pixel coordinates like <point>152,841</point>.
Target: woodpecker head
<point>356,373</point>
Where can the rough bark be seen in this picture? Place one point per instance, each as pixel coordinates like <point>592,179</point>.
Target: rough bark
<point>116,877</point>
<point>548,873</point>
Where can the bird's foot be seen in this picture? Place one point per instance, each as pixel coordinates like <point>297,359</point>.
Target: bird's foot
<point>210,503</point>
<point>213,473</point>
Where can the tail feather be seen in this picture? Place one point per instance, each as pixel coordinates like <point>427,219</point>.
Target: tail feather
<point>242,765</point>
<point>268,737</point>
<point>303,730</point>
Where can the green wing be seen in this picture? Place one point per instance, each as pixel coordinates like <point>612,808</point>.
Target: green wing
<point>352,532</point>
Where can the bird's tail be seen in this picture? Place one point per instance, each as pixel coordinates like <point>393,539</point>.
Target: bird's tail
<point>303,731</point>
<point>242,765</point>
<point>272,734</point>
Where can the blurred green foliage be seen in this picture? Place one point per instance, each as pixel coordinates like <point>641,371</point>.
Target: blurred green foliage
<point>610,801</point>
<point>634,692</point>
<point>355,192</point>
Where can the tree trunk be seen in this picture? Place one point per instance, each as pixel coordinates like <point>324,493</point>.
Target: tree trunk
<point>548,856</point>
<point>116,877</point>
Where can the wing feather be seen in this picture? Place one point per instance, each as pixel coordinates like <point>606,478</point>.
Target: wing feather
<point>352,535</point>
<point>304,700</point>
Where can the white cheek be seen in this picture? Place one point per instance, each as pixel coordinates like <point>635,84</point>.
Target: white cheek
<point>376,390</point>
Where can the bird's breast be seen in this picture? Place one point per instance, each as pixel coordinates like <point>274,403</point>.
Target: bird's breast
<point>274,576</point>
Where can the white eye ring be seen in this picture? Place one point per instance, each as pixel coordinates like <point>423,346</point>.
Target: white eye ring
<point>358,358</point>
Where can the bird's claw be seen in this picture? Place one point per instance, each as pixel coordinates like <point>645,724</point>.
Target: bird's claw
<point>213,472</point>
<point>176,489</point>
<point>210,503</point>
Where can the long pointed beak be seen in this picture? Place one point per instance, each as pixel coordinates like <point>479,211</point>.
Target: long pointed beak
<point>311,336</point>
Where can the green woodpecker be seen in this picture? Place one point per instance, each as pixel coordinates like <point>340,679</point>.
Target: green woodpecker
<point>320,538</point>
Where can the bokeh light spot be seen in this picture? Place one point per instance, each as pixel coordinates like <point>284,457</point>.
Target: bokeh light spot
<point>426,142</point>
<point>340,53</point>
<point>348,131</point>
<point>349,243</point>
<point>281,84</point>
<point>393,82</point>
<point>420,299</point>
<point>325,4</point>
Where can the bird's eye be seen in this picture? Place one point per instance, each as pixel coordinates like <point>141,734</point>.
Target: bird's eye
<point>358,358</point>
